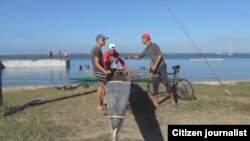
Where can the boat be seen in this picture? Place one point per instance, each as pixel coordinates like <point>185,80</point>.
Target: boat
<point>138,79</point>
<point>117,93</point>
<point>36,63</point>
<point>83,79</point>
<point>230,51</point>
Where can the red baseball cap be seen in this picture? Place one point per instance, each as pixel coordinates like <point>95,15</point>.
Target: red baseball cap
<point>146,35</point>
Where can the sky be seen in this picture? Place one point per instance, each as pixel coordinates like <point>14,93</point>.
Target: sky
<point>38,26</point>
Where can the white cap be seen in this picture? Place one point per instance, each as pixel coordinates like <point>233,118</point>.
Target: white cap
<point>112,46</point>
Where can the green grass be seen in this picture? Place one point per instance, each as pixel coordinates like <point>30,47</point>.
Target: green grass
<point>76,119</point>
<point>31,131</point>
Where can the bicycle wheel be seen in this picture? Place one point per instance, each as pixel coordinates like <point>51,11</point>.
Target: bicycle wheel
<point>162,91</point>
<point>185,90</point>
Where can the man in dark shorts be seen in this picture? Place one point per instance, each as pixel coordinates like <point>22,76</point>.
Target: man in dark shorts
<point>159,67</point>
<point>98,66</point>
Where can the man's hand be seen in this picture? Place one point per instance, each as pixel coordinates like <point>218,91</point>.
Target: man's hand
<point>126,71</point>
<point>107,72</point>
<point>153,69</point>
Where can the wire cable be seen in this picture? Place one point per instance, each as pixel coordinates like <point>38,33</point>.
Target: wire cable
<point>196,47</point>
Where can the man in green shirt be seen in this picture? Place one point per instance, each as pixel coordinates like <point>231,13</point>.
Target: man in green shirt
<point>159,67</point>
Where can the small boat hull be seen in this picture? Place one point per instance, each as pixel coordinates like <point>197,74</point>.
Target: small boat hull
<point>117,95</point>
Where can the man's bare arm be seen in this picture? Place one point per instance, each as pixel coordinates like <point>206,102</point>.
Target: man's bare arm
<point>135,57</point>
<point>157,62</point>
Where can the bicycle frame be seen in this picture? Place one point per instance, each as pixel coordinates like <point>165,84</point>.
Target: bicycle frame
<point>175,75</point>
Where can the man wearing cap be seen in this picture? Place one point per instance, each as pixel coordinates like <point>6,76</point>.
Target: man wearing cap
<point>110,56</point>
<point>98,66</point>
<point>159,67</point>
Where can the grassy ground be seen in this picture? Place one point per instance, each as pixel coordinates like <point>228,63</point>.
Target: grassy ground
<point>74,117</point>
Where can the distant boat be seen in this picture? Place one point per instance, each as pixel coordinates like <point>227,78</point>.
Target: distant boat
<point>230,51</point>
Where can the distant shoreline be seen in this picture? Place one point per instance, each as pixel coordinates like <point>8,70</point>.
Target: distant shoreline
<point>123,53</point>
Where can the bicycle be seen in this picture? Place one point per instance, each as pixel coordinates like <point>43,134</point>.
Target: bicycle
<point>181,86</point>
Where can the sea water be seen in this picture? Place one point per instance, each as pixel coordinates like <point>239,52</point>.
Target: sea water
<point>193,68</point>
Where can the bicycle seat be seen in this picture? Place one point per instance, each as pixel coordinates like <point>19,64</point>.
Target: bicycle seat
<point>177,67</point>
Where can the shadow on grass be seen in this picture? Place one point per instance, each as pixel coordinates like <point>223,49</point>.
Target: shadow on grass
<point>144,112</point>
<point>106,137</point>
<point>39,101</point>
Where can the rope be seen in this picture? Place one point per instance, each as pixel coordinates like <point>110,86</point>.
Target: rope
<point>196,47</point>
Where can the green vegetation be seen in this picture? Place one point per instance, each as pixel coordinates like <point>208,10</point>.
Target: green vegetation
<point>74,117</point>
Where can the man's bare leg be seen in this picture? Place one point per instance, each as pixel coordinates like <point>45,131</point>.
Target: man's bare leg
<point>156,82</point>
<point>99,97</point>
<point>173,99</point>
<point>156,102</point>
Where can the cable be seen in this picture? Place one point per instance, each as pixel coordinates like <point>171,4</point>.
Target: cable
<point>196,47</point>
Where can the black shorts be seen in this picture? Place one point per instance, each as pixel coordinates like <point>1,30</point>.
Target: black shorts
<point>163,77</point>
